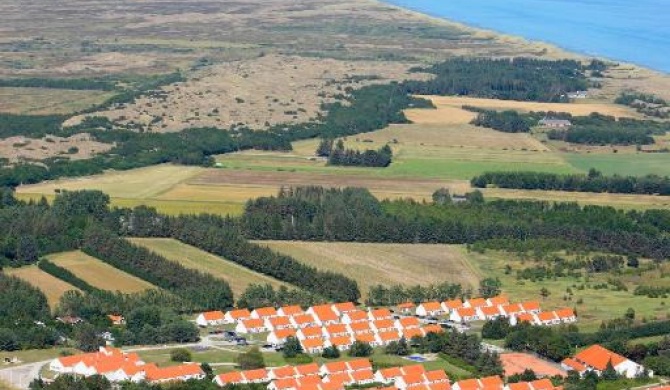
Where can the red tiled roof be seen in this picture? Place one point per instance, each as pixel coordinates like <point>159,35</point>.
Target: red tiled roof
<point>406,305</point>
<point>253,323</point>
<point>499,300</point>
<point>341,340</point>
<point>256,375</point>
<point>266,311</point>
<point>542,384</point>
<point>477,302</point>
<point>324,313</point>
<point>520,386</point>
<point>565,313</point>
<point>337,329</point>
<point>359,327</point>
<point>468,384</point>
<point>239,313</point>
<point>379,314</point>
<point>291,310</point>
<point>365,337</point>
<point>312,343</point>
<point>436,376</point>
<point>453,304</point>
<point>531,305</point>
<point>597,357</point>
<point>335,366</point>
<point>409,322</point>
<point>345,307</point>
<point>492,382</point>
<point>357,315</point>
<point>546,316</point>
<point>490,310</point>
<point>231,377</point>
<point>575,365</point>
<point>413,369</point>
<point>389,336</point>
<point>412,332</point>
<point>432,329</point>
<point>173,372</point>
<point>284,372</point>
<point>383,324</point>
<point>363,375</point>
<point>279,322</point>
<point>308,369</point>
<point>431,306</point>
<point>311,331</point>
<point>359,364</point>
<point>466,312</point>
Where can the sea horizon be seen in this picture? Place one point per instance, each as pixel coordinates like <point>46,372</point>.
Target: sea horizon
<point>618,30</point>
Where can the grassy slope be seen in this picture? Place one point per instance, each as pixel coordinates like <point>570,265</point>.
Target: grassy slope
<point>238,277</point>
<point>99,274</point>
<point>598,305</point>
<point>388,264</point>
<point>52,287</point>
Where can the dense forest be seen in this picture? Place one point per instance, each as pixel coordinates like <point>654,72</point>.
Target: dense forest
<point>61,83</point>
<point>597,129</point>
<point>516,79</point>
<point>505,121</point>
<point>338,155</point>
<point>594,181</point>
<point>314,213</point>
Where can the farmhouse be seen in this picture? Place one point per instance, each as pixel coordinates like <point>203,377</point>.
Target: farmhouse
<point>596,358</point>
<point>118,320</point>
<point>429,309</point>
<point>210,318</point>
<point>554,123</point>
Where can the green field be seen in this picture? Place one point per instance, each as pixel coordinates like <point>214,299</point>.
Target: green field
<point>623,164</point>
<point>237,276</point>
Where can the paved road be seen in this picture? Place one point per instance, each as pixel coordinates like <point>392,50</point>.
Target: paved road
<point>21,376</point>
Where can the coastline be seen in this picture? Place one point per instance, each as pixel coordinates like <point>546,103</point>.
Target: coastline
<point>633,76</point>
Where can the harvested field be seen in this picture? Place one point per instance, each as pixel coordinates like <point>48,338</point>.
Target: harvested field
<point>99,274</point>
<point>623,201</point>
<point>457,102</point>
<point>76,147</point>
<point>135,184</point>
<point>42,101</point>
<point>52,287</point>
<point>241,184</point>
<point>516,363</point>
<point>237,276</point>
<point>389,264</point>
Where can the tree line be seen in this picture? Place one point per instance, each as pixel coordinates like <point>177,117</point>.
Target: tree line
<point>204,291</point>
<point>507,121</point>
<point>351,214</point>
<point>338,155</point>
<point>222,237</point>
<point>103,84</point>
<point>646,104</point>
<point>594,181</point>
<point>65,275</point>
<point>598,129</point>
<point>380,295</point>
<point>516,79</point>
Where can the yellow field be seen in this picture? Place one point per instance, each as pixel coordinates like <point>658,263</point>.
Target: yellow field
<point>190,257</point>
<point>388,264</point>
<point>448,108</point>
<point>135,183</point>
<point>52,287</point>
<point>623,201</point>
<point>99,274</point>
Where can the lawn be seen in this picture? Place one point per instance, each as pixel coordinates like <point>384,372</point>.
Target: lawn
<point>237,276</point>
<point>99,274</point>
<point>388,264</point>
<point>52,287</point>
<point>596,305</point>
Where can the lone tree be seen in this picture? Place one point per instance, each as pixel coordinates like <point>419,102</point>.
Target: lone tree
<point>360,349</point>
<point>489,287</point>
<point>331,352</point>
<point>180,355</point>
<point>251,360</point>
<point>292,347</point>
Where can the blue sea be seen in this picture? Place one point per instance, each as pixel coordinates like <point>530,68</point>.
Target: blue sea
<point>636,31</point>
